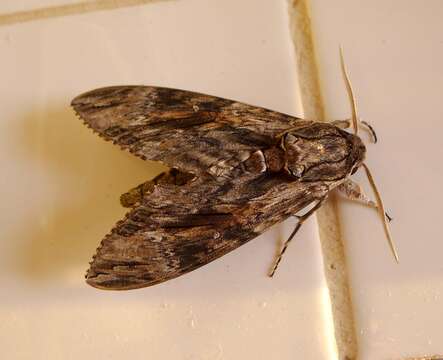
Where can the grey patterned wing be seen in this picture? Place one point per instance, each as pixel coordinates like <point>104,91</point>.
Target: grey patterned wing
<point>177,229</point>
<point>182,129</point>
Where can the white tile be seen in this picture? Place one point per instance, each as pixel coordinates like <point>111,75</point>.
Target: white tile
<point>62,185</point>
<point>394,52</point>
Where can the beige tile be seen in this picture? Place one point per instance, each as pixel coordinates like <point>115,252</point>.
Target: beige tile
<point>62,185</point>
<point>11,6</point>
<point>14,13</point>
<point>394,52</point>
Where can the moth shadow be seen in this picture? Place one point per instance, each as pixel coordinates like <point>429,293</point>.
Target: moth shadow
<point>79,178</point>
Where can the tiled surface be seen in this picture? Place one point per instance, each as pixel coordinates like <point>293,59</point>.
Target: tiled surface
<point>61,185</point>
<point>11,6</point>
<point>394,52</point>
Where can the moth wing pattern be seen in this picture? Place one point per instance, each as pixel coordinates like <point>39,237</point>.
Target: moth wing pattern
<point>173,229</point>
<point>177,229</point>
<point>186,130</point>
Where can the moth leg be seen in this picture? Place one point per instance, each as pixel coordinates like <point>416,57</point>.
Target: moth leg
<point>353,191</point>
<point>134,196</point>
<point>344,124</point>
<point>301,220</point>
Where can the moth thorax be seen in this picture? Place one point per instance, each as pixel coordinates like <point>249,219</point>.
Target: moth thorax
<point>304,154</point>
<point>272,159</point>
<point>275,159</point>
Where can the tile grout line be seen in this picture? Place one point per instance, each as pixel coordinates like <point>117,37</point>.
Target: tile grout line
<point>334,262</point>
<point>69,9</point>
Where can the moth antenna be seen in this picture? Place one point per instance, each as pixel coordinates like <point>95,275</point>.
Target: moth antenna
<point>350,92</point>
<point>381,211</point>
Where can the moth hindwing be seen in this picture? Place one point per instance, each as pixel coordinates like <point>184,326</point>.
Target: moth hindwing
<point>235,171</point>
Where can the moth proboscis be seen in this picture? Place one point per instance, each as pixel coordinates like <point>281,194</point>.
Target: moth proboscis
<point>235,170</point>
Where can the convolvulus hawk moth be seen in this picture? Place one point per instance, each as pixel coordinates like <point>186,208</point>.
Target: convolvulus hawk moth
<point>236,169</point>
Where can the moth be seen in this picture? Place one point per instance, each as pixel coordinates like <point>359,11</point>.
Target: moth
<point>235,170</point>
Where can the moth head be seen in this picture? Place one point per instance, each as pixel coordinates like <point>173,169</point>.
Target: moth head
<point>358,152</point>
<point>321,152</point>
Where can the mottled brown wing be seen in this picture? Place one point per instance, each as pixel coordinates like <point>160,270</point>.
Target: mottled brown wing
<point>183,129</point>
<point>177,229</point>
